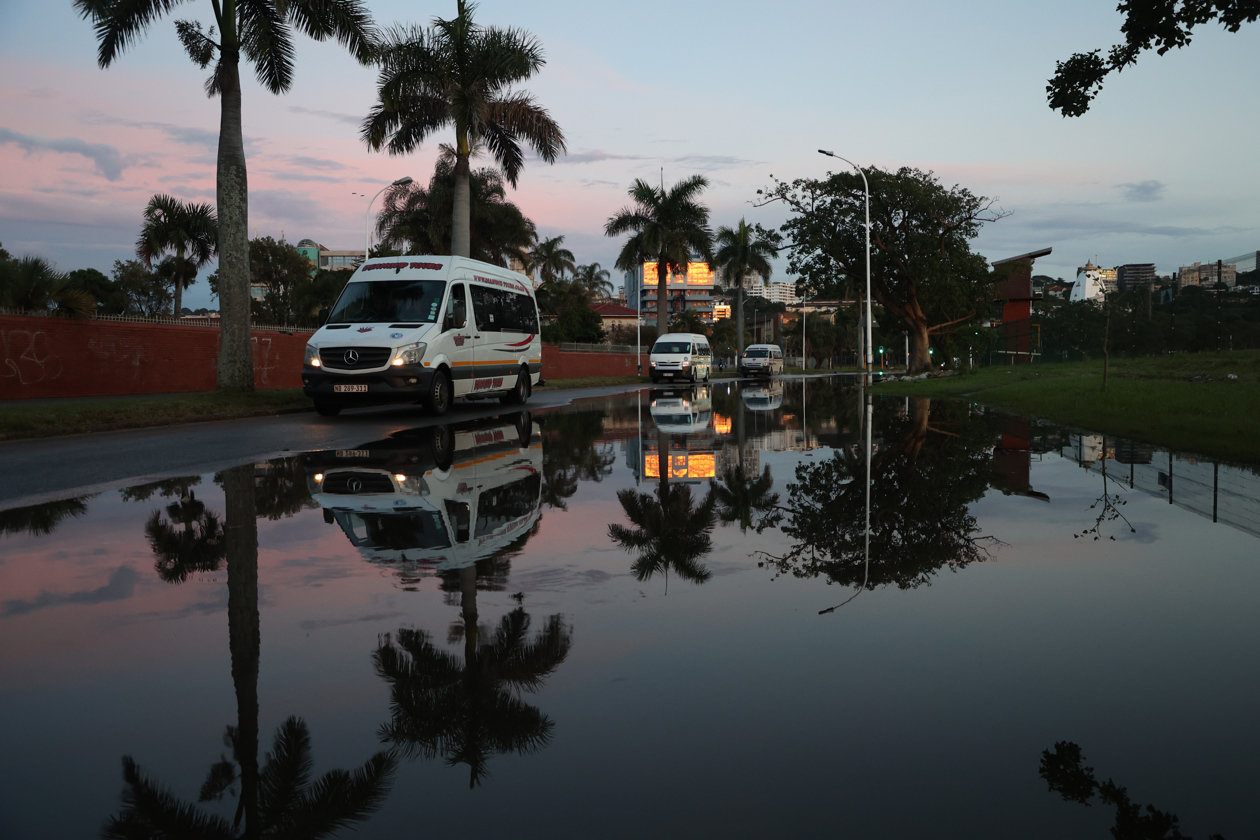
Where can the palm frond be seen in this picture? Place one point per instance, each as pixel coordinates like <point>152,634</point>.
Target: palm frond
<point>118,23</point>
<point>348,21</point>
<point>285,773</point>
<point>267,43</point>
<point>153,811</point>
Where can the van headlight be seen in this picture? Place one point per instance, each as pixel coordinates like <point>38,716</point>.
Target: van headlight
<point>312,356</point>
<point>411,354</point>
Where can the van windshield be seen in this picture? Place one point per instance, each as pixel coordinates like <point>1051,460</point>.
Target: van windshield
<point>757,353</point>
<point>664,346</point>
<point>382,301</point>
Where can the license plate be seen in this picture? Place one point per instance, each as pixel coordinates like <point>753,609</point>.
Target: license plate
<point>353,453</point>
<point>349,389</point>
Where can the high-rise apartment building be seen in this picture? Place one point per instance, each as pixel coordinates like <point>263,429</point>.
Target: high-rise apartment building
<point>1135,275</point>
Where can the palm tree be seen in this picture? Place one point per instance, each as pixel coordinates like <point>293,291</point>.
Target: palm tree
<point>595,279</point>
<point>467,712</point>
<point>34,285</point>
<point>262,32</point>
<point>190,231</point>
<point>196,547</point>
<point>549,260</point>
<point>668,227</point>
<point>741,252</point>
<point>671,532</point>
<point>288,804</point>
<point>740,496</point>
<point>418,218</point>
<point>459,75</point>
<point>42,520</point>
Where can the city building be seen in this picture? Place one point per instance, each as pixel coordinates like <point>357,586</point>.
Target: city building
<point>615,315</point>
<point>323,259</point>
<point>1089,283</point>
<point>691,291</point>
<point>1017,343</point>
<point>1136,275</point>
<point>1207,274</point>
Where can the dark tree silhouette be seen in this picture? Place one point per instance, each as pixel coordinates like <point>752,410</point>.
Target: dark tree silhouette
<point>42,520</point>
<point>570,454</point>
<point>921,487</point>
<point>1063,769</point>
<point>196,545</point>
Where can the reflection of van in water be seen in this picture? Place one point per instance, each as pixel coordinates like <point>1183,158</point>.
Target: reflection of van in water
<point>442,498</point>
<point>426,329</point>
<point>765,397</point>
<point>683,411</point>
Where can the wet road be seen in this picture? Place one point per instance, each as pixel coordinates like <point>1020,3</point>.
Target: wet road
<point>43,469</point>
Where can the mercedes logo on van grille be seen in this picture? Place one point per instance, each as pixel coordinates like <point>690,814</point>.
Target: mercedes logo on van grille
<point>354,484</point>
<point>351,357</point>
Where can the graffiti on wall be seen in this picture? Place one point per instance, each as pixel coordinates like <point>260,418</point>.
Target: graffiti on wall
<point>26,358</point>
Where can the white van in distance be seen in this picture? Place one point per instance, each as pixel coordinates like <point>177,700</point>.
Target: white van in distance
<point>681,356</point>
<point>761,360</point>
<point>426,329</point>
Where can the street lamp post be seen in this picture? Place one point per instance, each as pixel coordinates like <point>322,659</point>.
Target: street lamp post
<point>867,188</point>
<point>367,240</point>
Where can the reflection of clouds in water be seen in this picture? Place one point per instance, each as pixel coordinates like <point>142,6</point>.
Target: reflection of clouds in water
<point>311,625</point>
<point>121,586</point>
<point>562,577</point>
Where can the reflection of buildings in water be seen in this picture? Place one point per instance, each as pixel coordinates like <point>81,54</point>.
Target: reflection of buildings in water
<point>434,499</point>
<point>729,457</point>
<point>1219,492</point>
<point>1012,458</point>
<point>786,440</point>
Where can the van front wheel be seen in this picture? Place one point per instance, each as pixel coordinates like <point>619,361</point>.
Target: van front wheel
<point>438,400</point>
<point>521,391</point>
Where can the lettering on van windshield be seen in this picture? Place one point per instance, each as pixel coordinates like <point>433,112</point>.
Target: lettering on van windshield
<point>394,265</point>
<point>494,281</point>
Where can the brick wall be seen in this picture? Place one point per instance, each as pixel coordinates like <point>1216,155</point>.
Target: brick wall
<point>59,357</point>
<point>573,364</point>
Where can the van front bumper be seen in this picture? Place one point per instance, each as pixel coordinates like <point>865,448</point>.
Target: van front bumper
<point>406,383</point>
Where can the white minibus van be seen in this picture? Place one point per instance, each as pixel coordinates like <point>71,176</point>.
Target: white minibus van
<point>681,356</point>
<point>426,329</point>
<point>761,360</point>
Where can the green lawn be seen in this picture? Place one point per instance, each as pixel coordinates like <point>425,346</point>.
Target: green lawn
<point>63,417</point>
<point>1185,402</point>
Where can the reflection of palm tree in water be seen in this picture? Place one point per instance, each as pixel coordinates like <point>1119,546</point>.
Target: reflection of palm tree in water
<point>742,494</point>
<point>276,801</point>
<point>671,531</point>
<point>467,712</point>
<point>42,520</point>
<point>198,546</point>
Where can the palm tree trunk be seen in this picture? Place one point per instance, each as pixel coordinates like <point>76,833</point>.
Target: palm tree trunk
<point>468,601</point>
<point>662,296</point>
<point>236,364</point>
<point>244,639</point>
<point>461,236</point>
<point>739,319</point>
<point>177,304</point>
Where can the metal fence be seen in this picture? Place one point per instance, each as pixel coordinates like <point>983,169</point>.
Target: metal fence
<point>194,321</point>
<point>597,348</point>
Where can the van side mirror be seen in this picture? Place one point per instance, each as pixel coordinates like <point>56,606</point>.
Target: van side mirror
<point>323,315</point>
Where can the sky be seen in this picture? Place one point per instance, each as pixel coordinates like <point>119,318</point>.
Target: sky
<point>1162,169</point>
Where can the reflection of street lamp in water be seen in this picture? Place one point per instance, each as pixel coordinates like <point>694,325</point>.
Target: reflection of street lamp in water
<point>866,573</point>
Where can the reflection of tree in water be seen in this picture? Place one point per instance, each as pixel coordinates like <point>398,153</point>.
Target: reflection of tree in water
<point>1111,504</point>
<point>280,488</point>
<point>275,801</point>
<point>1063,769</point>
<point>166,488</point>
<point>746,499</point>
<point>42,520</point>
<point>191,542</point>
<point>570,454</point>
<point>671,530</point>
<point>469,711</point>
<point>921,487</point>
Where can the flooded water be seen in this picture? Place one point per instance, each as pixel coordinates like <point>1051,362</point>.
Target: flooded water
<point>673,613</point>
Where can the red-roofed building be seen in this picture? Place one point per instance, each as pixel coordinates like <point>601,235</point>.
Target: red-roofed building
<point>615,315</point>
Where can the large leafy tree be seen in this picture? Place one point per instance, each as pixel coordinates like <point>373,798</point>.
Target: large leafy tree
<point>549,260</point>
<point>418,219</point>
<point>1159,25</point>
<point>460,75</point>
<point>666,227</point>
<point>923,271</point>
<point>262,32</point>
<point>282,269</point>
<point>146,292</point>
<point>187,230</point>
<point>741,252</point>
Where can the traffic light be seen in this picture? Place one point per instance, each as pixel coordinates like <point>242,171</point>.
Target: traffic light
<point>931,351</point>
<point>881,351</point>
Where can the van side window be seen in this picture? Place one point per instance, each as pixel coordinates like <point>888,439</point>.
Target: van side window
<point>456,309</point>
<point>503,311</point>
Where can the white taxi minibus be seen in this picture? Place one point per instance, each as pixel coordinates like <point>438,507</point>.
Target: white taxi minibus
<point>761,360</point>
<point>677,356</point>
<point>426,329</point>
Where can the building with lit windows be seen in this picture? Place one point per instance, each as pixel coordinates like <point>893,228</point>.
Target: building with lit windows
<point>323,259</point>
<point>691,291</point>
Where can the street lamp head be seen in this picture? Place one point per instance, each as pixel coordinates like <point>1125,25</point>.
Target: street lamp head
<point>827,153</point>
<point>401,182</point>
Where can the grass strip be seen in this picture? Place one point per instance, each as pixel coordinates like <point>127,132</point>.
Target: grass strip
<point>43,418</point>
<point>1184,402</point>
